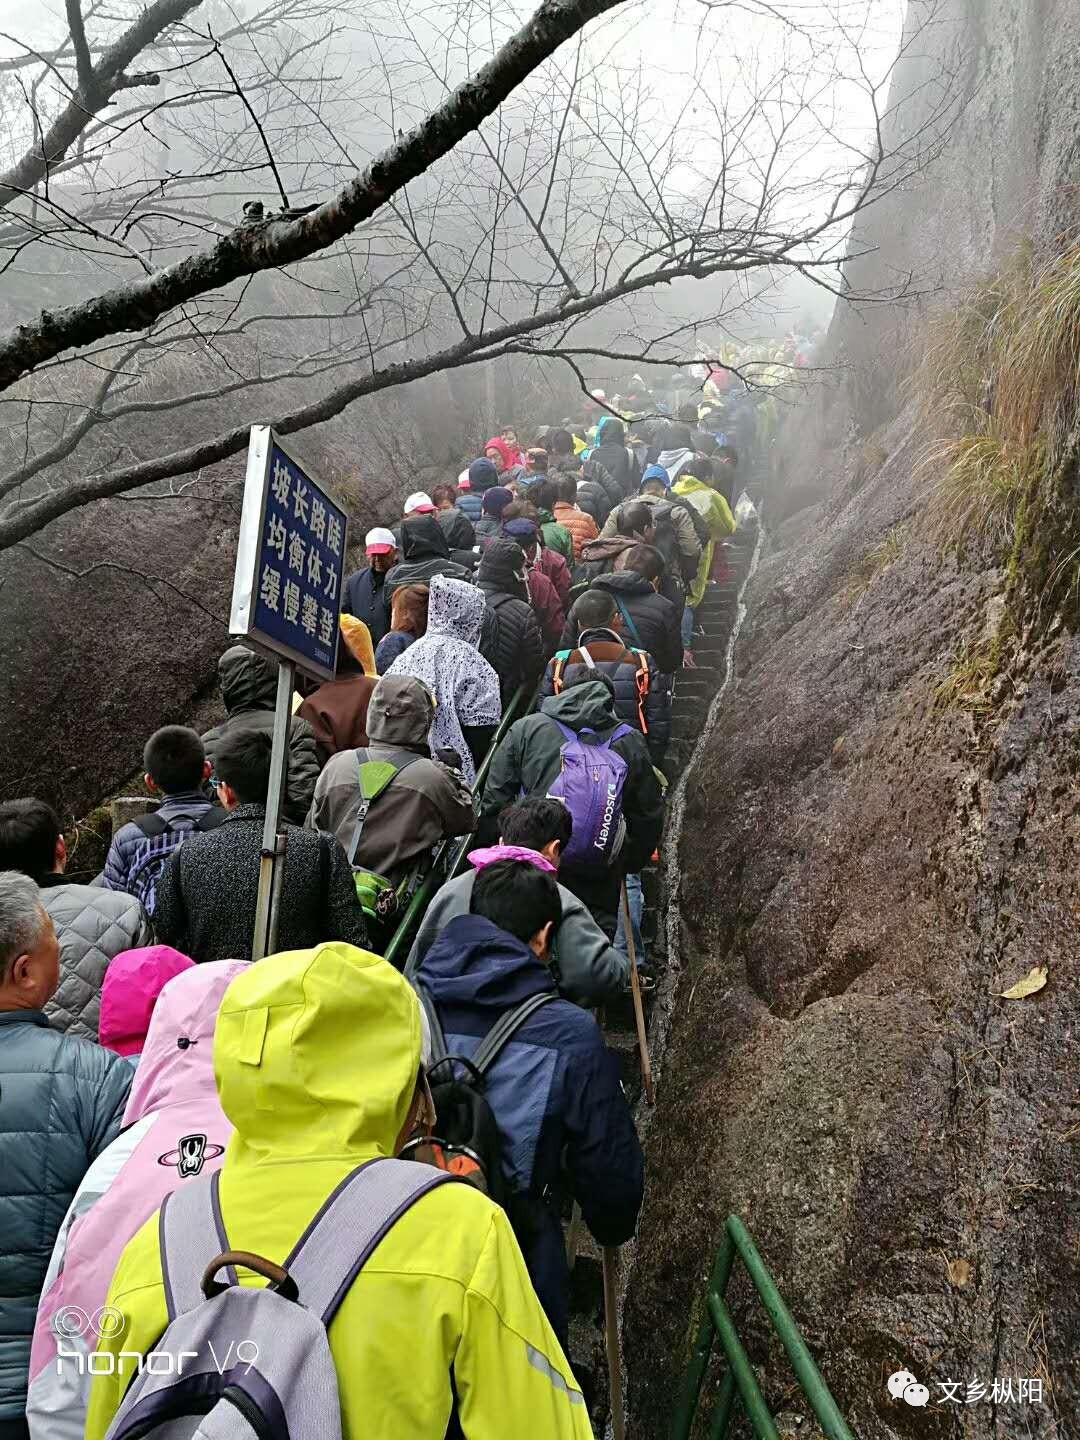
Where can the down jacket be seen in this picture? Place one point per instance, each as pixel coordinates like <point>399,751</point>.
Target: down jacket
<point>425,552</point>
<point>249,689</point>
<point>63,1101</point>
<point>647,709</point>
<point>581,525</point>
<point>650,621</point>
<point>511,640</point>
<point>93,925</point>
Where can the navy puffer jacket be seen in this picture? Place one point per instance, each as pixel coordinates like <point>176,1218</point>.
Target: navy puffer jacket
<point>563,1120</point>
<point>61,1102</point>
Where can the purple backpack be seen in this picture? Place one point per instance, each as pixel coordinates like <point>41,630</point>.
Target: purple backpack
<point>590,784</point>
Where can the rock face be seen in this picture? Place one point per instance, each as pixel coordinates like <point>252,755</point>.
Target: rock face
<point>882,863</point>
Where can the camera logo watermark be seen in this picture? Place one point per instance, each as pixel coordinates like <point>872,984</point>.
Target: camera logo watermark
<point>78,1332</point>
<point>903,1385</point>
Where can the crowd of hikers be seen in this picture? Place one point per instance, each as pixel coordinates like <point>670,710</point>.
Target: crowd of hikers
<point>205,1202</point>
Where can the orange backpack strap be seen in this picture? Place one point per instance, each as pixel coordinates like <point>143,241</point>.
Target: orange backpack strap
<point>642,680</point>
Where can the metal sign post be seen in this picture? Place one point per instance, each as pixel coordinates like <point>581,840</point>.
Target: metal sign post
<point>290,560</point>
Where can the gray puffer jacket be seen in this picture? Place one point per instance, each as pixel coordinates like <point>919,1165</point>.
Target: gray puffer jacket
<point>63,1100</point>
<point>93,925</point>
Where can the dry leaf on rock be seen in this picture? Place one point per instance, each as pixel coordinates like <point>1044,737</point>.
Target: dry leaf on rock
<point>959,1272</point>
<point>1034,980</point>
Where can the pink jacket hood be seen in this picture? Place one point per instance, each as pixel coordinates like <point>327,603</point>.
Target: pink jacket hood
<point>129,992</point>
<point>481,859</point>
<point>177,1061</point>
<point>175,1129</point>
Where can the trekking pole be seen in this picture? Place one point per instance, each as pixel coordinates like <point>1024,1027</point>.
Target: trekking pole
<point>611,1335</point>
<point>573,1236</point>
<point>635,990</point>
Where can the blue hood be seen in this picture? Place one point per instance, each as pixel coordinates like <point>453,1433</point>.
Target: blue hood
<point>475,964</point>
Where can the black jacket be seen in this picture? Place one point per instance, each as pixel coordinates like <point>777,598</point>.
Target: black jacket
<point>248,684</point>
<point>616,459</point>
<point>511,640</point>
<point>642,698</point>
<point>460,534</point>
<point>206,895</point>
<point>367,599</point>
<point>425,551</point>
<point>650,621</point>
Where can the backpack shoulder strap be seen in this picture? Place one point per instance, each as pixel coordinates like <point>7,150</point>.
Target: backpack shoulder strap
<point>350,1224</point>
<point>628,621</point>
<point>619,732</point>
<point>151,825</point>
<point>389,771</point>
<point>492,1044</point>
<point>438,1039</point>
<point>211,819</point>
<point>191,1233</point>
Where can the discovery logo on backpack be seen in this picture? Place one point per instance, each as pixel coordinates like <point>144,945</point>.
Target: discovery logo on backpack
<point>590,783</point>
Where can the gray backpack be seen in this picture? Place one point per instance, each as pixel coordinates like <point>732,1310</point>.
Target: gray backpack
<point>239,1363</point>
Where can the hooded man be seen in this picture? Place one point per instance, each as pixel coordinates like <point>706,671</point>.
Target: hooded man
<point>511,639</point>
<point>337,710</point>
<point>676,453</point>
<point>612,453</point>
<point>482,475</point>
<point>443,1314</point>
<point>564,1122</point>
<point>468,706</point>
<point>365,594</point>
<point>248,684</point>
<point>425,552</point>
<point>173,1131</point>
<point>460,534</point>
<point>425,802</point>
<point>495,501</point>
<point>529,760</point>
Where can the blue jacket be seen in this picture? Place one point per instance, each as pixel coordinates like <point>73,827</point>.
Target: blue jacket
<point>367,599</point>
<point>555,1094</point>
<point>61,1101</point>
<point>131,845</point>
<point>469,502</point>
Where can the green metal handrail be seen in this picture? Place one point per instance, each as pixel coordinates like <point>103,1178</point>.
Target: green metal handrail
<point>739,1381</point>
<point>449,858</point>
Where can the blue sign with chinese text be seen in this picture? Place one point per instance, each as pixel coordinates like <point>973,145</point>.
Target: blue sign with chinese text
<point>290,560</point>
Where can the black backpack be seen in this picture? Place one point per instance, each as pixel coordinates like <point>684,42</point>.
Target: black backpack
<point>465,1140</point>
<point>146,872</point>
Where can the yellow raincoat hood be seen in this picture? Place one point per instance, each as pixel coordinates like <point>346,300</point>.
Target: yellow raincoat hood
<point>316,1054</point>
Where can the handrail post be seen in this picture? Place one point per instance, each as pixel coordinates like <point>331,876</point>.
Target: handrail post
<point>802,1362</point>
<point>757,1412</point>
<point>699,1355</point>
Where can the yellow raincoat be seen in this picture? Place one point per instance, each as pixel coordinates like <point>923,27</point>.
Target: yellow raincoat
<point>316,1056</point>
<point>716,512</point>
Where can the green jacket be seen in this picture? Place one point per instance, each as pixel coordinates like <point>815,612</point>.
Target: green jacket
<point>556,536</point>
<point>527,761</point>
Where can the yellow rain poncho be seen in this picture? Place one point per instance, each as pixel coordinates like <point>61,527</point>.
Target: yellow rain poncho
<point>716,512</point>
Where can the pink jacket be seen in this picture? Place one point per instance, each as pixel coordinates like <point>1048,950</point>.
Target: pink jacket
<point>129,992</point>
<point>176,1129</point>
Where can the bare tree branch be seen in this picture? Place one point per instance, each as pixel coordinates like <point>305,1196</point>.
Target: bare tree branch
<point>252,248</point>
<point>101,82</point>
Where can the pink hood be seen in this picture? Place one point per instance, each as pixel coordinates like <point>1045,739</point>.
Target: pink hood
<point>481,859</point>
<point>173,1119</point>
<point>505,450</point>
<point>129,992</point>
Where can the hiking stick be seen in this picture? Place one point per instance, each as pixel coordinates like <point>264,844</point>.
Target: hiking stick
<point>573,1235</point>
<point>635,990</point>
<point>611,1335</point>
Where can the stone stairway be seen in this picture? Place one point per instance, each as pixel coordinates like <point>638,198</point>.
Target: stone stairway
<point>693,694</point>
